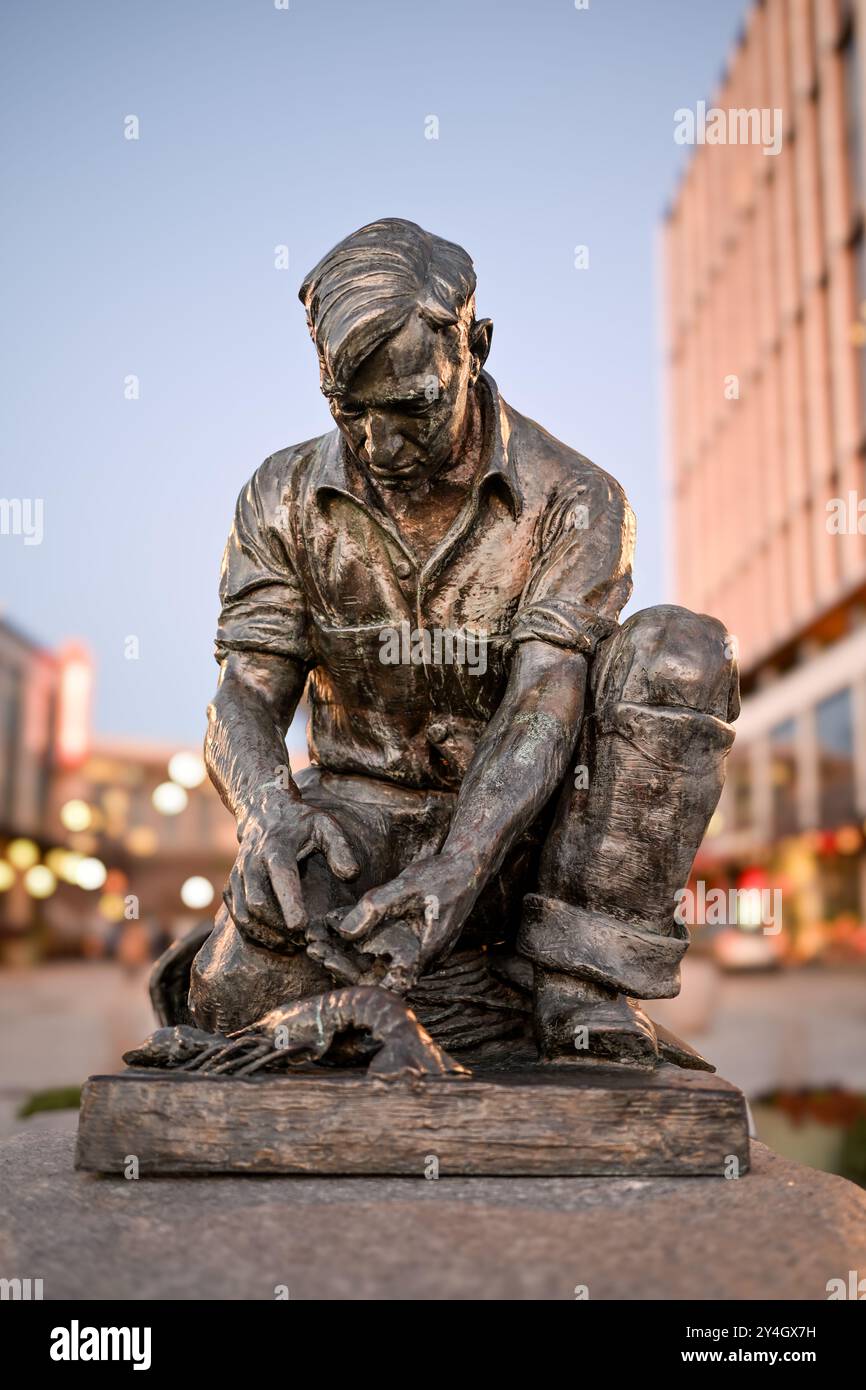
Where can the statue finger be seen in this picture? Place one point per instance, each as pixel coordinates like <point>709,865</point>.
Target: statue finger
<point>325,951</point>
<point>286,884</point>
<point>235,899</point>
<point>332,842</point>
<point>365,915</point>
<point>261,901</point>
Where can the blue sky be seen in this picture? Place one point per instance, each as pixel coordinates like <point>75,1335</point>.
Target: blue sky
<point>262,127</point>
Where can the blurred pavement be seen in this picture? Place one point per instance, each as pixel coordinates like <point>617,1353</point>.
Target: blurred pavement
<point>61,1022</point>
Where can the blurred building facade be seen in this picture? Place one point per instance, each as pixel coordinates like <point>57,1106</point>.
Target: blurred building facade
<point>106,846</point>
<point>766,359</point>
<point>29,685</point>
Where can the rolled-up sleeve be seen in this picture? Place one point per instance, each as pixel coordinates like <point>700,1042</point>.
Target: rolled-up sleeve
<point>262,603</point>
<point>581,576</point>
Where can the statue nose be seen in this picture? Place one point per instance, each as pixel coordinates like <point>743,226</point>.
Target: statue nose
<point>381,440</point>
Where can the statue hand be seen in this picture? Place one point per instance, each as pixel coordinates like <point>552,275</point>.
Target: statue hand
<point>263,893</point>
<point>401,927</point>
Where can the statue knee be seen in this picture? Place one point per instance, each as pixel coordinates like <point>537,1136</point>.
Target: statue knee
<point>669,656</point>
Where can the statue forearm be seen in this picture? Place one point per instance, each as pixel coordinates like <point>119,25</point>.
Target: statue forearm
<point>246,753</point>
<point>245,749</point>
<point>522,756</point>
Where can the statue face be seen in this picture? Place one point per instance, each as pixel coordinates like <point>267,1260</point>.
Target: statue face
<point>403,413</point>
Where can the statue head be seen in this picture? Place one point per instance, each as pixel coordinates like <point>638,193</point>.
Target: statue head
<point>391,310</point>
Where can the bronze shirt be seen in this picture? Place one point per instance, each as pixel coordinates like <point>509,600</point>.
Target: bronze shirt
<point>315,570</point>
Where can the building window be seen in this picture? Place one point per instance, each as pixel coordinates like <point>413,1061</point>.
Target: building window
<point>783,772</point>
<point>12,739</point>
<point>739,797</point>
<point>839,881</point>
<point>834,727</point>
<point>854,121</point>
<point>859,328</point>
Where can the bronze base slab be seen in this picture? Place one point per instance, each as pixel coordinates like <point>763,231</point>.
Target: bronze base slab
<point>548,1121</point>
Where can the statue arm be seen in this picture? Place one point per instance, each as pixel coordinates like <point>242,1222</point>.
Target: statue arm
<point>246,755</point>
<point>521,758</point>
<point>245,749</point>
<point>518,764</point>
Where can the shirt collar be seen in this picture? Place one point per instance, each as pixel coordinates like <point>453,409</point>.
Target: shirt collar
<point>337,470</point>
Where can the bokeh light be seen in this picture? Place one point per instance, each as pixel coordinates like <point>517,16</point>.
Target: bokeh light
<point>22,854</point>
<point>64,863</point>
<point>142,841</point>
<point>187,769</point>
<point>112,907</point>
<point>39,881</point>
<point>197,893</point>
<point>75,815</point>
<point>169,799</point>
<point>90,874</point>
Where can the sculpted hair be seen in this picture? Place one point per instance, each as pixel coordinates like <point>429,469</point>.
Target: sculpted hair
<point>363,291</point>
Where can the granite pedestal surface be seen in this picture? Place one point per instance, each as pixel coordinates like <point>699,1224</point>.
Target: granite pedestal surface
<point>781,1231</point>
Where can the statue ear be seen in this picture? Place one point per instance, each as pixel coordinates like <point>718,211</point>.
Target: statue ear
<point>479,342</point>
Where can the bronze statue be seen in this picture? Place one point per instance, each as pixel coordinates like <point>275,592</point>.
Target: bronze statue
<point>507,787</point>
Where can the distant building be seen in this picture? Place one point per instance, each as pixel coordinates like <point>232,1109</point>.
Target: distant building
<point>99,839</point>
<point>29,683</point>
<point>161,840</point>
<point>766,326</point>
<point>29,680</point>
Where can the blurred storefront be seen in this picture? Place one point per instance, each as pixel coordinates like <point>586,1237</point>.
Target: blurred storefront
<point>766,316</point>
<point>29,687</point>
<point>107,847</point>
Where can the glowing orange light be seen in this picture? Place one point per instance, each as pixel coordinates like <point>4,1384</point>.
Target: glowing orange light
<point>848,839</point>
<point>73,720</point>
<point>112,907</point>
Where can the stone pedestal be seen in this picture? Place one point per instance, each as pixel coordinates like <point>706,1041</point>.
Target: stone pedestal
<point>780,1232</point>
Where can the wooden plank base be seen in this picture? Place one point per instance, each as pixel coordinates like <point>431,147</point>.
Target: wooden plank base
<point>546,1122</point>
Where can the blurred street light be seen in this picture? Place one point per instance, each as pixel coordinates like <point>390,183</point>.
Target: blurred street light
<point>40,881</point>
<point>142,840</point>
<point>90,874</point>
<point>112,907</point>
<point>197,892</point>
<point>169,799</point>
<point>64,863</point>
<point>22,854</point>
<point>187,770</point>
<point>75,815</point>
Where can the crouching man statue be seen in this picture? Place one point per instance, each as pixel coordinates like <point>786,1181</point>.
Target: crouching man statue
<point>507,787</point>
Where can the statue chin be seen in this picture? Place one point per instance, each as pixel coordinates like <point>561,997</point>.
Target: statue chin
<point>400,476</point>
